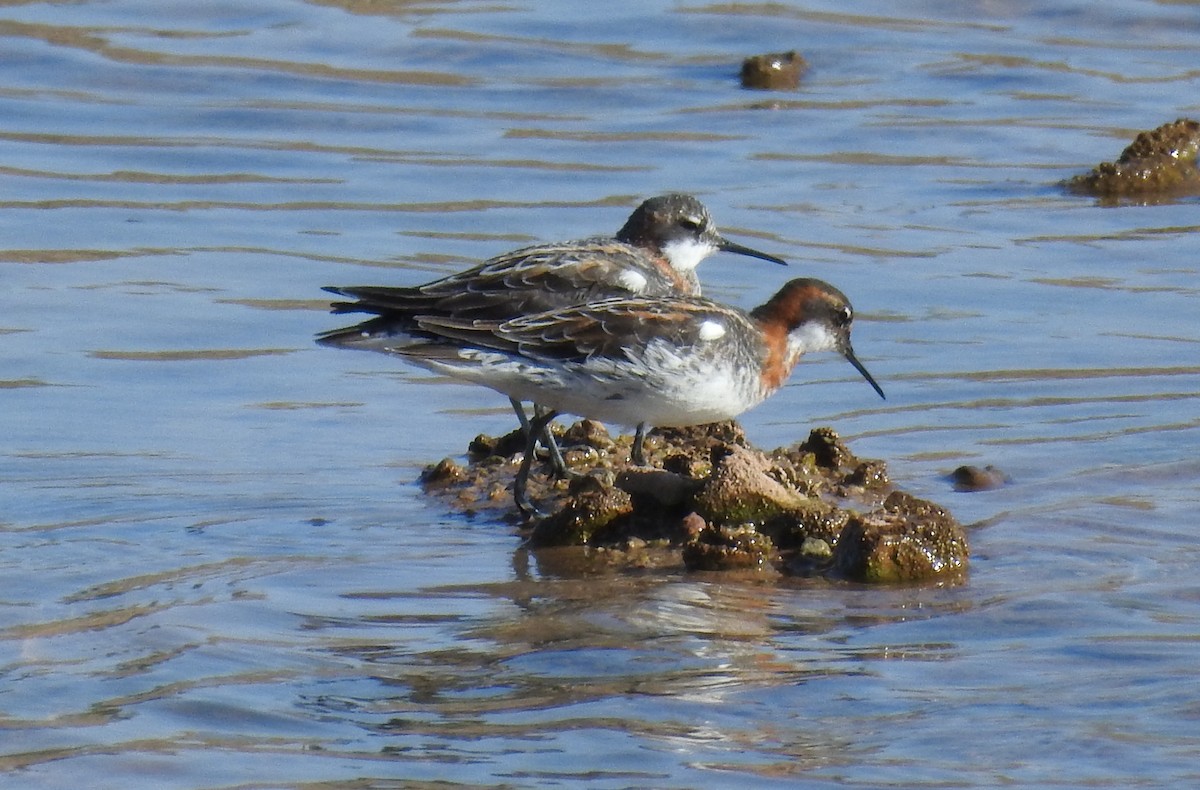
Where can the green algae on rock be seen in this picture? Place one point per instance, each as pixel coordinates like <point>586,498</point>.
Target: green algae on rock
<point>907,540</point>
<point>1158,163</point>
<point>710,501</point>
<point>593,506</point>
<point>728,548</point>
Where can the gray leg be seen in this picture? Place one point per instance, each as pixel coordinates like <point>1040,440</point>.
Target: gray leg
<point>536,426</point>
<point>551,445</point>
<point>520,410</point>
<point>548,440</point>
<point>638,454</point>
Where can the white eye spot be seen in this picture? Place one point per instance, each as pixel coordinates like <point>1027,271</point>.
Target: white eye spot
<point>712,330</point>
<point>632,281</point>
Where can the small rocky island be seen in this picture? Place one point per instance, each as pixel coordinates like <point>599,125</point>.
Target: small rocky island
<point>709,501</point>
<point>1158,164</point>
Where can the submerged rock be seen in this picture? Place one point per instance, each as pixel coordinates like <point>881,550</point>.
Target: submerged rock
<point>444,472</point>
<point>779,71</point>
<point>1160,162</point>
<point>713,502</point>
<point>973,478</point>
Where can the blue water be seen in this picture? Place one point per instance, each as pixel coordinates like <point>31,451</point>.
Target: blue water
<point>219,572</point>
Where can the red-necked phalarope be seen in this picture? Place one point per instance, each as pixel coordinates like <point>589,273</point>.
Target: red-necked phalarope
<point>654,254</point>
<point>666,361</point>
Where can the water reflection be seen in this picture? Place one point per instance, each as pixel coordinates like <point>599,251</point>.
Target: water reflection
<point>570,654</point>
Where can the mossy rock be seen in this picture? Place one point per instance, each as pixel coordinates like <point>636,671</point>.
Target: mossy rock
<point>907,540</point>
<point>728,548</point>
<point>590,512</point>
<point>1160,162</point>
<point>712,502</point>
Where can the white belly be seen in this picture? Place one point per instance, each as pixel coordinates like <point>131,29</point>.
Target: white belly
<point>661,389</point>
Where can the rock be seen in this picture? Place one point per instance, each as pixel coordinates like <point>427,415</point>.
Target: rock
<point>581,457</point>
<point>688,466</point>
<point>907,540</point>
<point>693,523</point>
<point>868,474</point>
<point>665,489</point>
<point>588,433</point>
<point>728,548</point>
<point>775,72</point>
<point>715,503</point>
<point>827,448</point>
<point>701,439</point>
<point>1160,162</point>
<point>444,472</point>
<point>814,556</point>
<point>972,478</point>
<point>484,446</point>
<point>815,548</point>
<point>817,520</point>
<point>589,511</point>
<point>739,491</point>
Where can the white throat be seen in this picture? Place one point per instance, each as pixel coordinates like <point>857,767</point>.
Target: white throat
<point>811,336</point>
<point>685,255</point>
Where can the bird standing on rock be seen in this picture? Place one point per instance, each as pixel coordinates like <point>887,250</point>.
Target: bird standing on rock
<point>654,254</point>
<point>666,361</point>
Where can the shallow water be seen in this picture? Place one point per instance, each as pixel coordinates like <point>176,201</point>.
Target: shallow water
<point>219,571</point>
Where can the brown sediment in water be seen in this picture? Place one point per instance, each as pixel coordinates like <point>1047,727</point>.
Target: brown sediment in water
<point>1160,163</point>
<point>710,501</point>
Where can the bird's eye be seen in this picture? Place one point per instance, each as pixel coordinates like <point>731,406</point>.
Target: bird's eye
<point>691,223</point>
<point>845,315</point>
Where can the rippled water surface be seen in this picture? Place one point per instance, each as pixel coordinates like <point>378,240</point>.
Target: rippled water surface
<point>219,572</point>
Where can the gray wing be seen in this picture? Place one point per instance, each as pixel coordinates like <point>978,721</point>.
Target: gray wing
<point>531,280</point>
<point>614,328</point>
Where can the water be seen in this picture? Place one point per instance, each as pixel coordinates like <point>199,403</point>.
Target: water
<point>218,571</point>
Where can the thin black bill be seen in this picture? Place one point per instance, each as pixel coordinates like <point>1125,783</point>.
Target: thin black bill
<point>849,354</point>
<point>725,245</point>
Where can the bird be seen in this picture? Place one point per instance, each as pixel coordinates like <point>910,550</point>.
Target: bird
<point>655,253</point>
<point>667,361</point>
